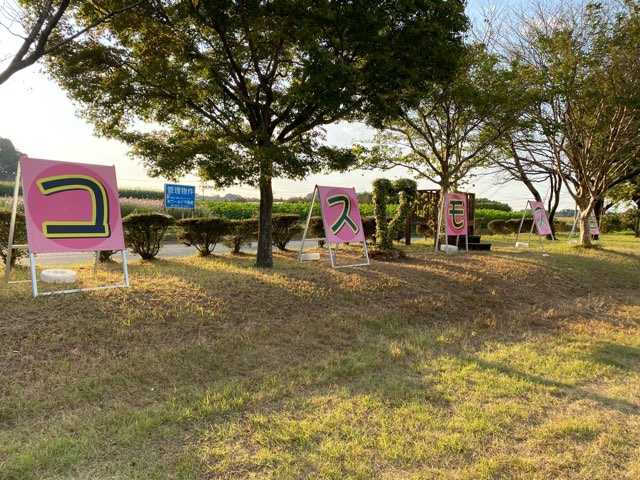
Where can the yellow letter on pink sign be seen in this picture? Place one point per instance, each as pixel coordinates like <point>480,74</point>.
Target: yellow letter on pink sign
<point>71,207</point>
<point>455,214</point>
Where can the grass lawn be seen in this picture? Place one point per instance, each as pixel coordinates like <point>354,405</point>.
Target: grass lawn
<point>507,364</point>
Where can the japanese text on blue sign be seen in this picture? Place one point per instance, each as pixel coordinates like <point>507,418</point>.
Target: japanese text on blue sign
<point>179,196</point>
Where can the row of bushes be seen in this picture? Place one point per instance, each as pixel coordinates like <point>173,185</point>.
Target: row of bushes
<point>240,210</point>
<point>144,232</point>
<point>486,216</point>
<point>618,222</point>
<point>231,210</point>
<point>505,227</point>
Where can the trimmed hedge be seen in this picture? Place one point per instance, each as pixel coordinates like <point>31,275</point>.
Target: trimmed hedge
<point>6,188</point>
<point>285,227</point>
<point>243,210</point>
<point>19,237</point>
<point>202,233</point>
<point>241,233</point>
<point>487,216</point>
<point>143,232</point>
<point>618,222</point>
<point>506,227</point>
<point>369,227</point>
<point>498,227</point>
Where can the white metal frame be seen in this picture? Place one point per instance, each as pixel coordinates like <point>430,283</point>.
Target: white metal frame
<point>443,228</point>
<point>32,256</point>
<point>533,225</point>
<point>331,248</point>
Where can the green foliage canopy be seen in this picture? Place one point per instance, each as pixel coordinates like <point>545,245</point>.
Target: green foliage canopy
<point>454,128</point>
<point>8,160</point>
<point>240,90</point>
<point>582,63</point>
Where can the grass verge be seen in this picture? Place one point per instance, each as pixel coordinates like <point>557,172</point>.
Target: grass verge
<point>507,364</point>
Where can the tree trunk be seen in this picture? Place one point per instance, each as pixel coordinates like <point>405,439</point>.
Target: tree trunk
<point>553,202</point>
<point>638,222</point>
<point>585,234</point>
<point>599,211</point>
<point>264,258</point>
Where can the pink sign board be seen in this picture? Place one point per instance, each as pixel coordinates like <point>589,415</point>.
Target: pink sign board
<point>593,225</point>
<point>455,213</point>
<point>341,214</point>
<point>540,218</point>
<point>71,207</point>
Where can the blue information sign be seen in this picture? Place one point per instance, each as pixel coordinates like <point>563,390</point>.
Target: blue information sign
<point>179,196</point>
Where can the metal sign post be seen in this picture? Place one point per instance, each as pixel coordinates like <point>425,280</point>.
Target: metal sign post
<point>59,224</point>
<point>455,221</point>
<point>12,228</point>
<point>540,223</point>
<point>345,227</point>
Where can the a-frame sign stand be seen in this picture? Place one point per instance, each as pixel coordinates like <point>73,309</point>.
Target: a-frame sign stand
<point>442,227</point>
<point>332,247</point>
<point>12,230</point>
<point>534,224</point>
<point>32,256</point>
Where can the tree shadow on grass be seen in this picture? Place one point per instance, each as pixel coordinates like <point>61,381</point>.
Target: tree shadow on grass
<point>221,338</point>
<point>564,389</point>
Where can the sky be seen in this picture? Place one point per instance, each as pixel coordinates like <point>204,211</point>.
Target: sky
<point>41,121</point>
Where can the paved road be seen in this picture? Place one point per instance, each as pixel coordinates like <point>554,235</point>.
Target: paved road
<point>171,250</point>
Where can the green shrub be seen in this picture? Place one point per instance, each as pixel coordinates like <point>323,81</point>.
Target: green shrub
<point>6,188</point>
<point>241,233</point>
<point>316,229</point>
<point>143,232</point>
<point>498,227</point>
<point>611,222</point>
<point>19,236</point>
<point>105,255</point>
<point>486,204</point>
<point>425,230</point>
<point>514,224</point>
<point>232,210</point>
<point>630,218</point>
<point>560,226</point>
<point>242,210</point>
<point>285,227</point>
<point>202,233</point>
<point>488,216</point>
<point>369,227</point>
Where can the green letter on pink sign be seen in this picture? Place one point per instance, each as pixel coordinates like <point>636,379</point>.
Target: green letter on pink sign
<point>71,207</point>
<point>341,215</point>
<point>540,218</point>
<point>455,213</point>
